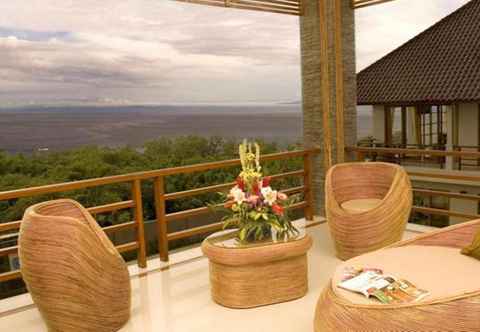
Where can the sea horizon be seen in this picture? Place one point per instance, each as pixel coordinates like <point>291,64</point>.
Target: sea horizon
<point>57,128</point>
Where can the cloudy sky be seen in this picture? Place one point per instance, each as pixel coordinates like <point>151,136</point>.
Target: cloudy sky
<point>159,51</point>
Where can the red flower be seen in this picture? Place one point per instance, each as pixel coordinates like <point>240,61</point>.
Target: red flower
<point>266,181</point>
<point>240,183</point>
<point>256,189</point>
<point>278,210</point>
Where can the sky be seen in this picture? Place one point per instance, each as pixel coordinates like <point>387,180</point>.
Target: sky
<point>161,51</point>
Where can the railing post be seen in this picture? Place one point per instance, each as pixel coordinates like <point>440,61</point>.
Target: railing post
<point>138,211</point>
<point>360,156</point>
<point>308,184</point>
<point>159,191</point>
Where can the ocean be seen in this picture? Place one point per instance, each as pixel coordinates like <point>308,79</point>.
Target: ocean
<point>26,130</point>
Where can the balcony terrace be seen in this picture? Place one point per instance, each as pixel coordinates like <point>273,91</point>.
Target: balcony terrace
<point>174,296</point>
<point>171,291</point>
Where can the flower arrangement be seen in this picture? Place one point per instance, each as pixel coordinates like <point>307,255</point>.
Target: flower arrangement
<point>252,206</point>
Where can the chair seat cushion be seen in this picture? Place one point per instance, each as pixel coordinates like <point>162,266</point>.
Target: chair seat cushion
<point>444,272</point>
<point>361,205</point>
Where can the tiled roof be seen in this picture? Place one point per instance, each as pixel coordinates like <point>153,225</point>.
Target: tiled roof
<point>440,65</point>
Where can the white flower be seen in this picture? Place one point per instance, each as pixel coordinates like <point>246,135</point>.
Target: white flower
<point>237,194</point>
<point>269,195</point>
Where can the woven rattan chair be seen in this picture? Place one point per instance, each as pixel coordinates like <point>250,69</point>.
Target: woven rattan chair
<point>367,206</point>
<point>432,262</point>
<point>75,276</point>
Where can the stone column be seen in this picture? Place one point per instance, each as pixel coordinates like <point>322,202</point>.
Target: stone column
<point>314,134</point>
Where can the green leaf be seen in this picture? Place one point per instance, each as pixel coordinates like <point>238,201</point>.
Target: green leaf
<point>242,234</point>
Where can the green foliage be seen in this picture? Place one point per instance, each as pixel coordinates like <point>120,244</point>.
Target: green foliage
<point>21,171</point>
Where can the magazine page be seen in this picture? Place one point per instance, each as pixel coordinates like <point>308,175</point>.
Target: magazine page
<point>365,283</point>
<point>385,288</point>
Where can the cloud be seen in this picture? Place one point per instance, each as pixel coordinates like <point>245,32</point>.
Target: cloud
<point>163,51</point>
<point>381,29</point>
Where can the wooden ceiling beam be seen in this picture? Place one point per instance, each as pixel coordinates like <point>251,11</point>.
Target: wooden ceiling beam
<point>289,7</point>
<point>357,4</point>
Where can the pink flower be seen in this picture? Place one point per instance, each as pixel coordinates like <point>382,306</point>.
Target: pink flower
<point>253,199</point>
<point>282,196</point>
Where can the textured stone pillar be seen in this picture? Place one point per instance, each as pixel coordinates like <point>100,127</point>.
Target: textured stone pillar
<point>312,84</point>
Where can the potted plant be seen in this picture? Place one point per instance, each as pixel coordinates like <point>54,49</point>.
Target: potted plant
<point>245,275</point>
<point>253,206</point>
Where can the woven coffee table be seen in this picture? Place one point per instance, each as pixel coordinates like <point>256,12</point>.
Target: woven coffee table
<point>267,272</point>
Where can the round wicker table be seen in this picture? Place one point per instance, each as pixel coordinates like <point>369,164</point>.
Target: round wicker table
<point>267,272</point>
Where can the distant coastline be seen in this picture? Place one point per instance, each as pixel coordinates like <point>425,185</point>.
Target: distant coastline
<point>56,128</point>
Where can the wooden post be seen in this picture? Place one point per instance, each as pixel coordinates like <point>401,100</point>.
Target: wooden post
<point>339,102</point>
<point>360,156</point>
<point>388,126</point>
<point>308,184</point>
<point>404,127</point>
<point>159,191</point>
<point>418,127</point>
<point>138,210</point>
<point>325,78</point>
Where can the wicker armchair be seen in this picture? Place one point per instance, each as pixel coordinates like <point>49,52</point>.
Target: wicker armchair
<point>367,206</point>
<point>431,261</point>
<point>75,276</point>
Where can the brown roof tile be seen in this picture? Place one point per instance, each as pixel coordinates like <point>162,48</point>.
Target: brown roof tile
<point>440,65</point>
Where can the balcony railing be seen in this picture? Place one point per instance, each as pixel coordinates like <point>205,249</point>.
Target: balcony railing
<point>465,161</point>
<point>160,198</point>
<point>363,153</point>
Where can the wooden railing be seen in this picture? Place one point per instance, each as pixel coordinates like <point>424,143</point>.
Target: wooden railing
<point>363,153</point>
<point>160,198</point>
<point>460,161</point>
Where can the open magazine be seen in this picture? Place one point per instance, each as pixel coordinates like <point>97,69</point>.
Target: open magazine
<point>385,288</point>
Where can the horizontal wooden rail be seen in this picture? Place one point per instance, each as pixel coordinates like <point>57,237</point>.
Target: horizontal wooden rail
<point>7,226</point>
<point>427,192</point>
<point>448,213</point>
<point>83,184</point>
<point>127,247</point>
<point>188,213</point>
<point>417,152</point>
<point>445,176</point>
<point>299,205</point>
<point>199,191</point>
<point>120,227</point>
<point>12,275</point>
<point>135,204</point>
<point>8,251</point>
<point>294,190</point>
<point>194,231</point>
<point>111,207</point>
